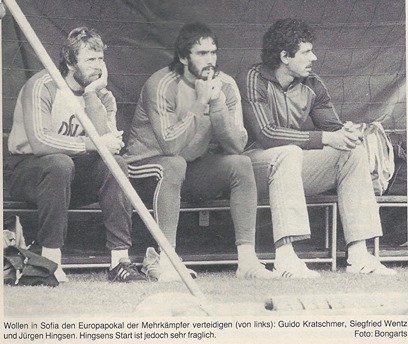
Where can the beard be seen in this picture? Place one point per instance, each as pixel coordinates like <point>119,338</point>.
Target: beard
<point>192,68</point>
<point>81,78</point>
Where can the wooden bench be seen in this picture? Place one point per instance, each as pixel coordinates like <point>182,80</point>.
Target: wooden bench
<point>389,201</point>
<point>327,202</point>
<point>328,255</point>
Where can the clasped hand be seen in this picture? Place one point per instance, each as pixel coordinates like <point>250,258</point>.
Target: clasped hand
<point>209,89</point>
<point>113,141</point>
<point>347,138</point>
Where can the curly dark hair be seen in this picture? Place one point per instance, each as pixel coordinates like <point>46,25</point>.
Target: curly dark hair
<point>189,35</point>
<point>76,38</point>
<point>284,34</point>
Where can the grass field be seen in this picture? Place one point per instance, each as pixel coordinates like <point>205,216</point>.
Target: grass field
<point>89,292</point>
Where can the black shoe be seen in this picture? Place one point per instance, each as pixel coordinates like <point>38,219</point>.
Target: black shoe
<point>125,271</point>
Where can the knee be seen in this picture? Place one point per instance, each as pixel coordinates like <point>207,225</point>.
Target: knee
<point>240,165</point>
<point>292,153</point>
<point>59,167</point>
<point>174,169</point>
<point>357,155</point>
<point>359,152</point>
<point>283,158</point>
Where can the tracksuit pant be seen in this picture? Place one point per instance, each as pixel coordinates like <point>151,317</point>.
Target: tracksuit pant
<point>55,181</point>
<point>286,174</point>
<point>205,178</point>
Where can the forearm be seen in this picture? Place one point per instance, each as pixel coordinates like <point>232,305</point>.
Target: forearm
<point>175,131</point>
<point>53,144</point>
<point>96,112</point>
<point>271,136</point>
<point>231,135</point>
<point>199,143</point>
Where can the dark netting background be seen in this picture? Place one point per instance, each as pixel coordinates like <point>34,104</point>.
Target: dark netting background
<point>360,45</point>
<point>361,57</point>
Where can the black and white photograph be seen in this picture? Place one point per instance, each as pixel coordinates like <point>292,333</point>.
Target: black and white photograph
<point>204,171</point>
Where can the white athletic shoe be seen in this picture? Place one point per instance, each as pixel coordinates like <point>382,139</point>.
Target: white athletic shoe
<point>369,265</point>
<point>155,270</point>
<point>295,269</point>
<point>255,271</point>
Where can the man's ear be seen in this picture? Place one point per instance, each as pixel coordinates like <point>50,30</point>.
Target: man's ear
<point>284,56</point>
<point>183,60</point>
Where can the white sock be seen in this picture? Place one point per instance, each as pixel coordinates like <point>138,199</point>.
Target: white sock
<point>246,255</point>
<point>54,254</point>
<point>285,254</point>
<point>117,255</point>
<point>357,250</point>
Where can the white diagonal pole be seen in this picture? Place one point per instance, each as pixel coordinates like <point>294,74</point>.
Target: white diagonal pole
<point>104,152</point>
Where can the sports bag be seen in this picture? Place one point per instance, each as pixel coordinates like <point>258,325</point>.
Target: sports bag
<point>380,156</point>
<point>23,267</point>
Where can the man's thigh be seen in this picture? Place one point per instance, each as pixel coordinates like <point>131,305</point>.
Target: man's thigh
<point>27,172</point>
<point>146,174</point>
<point>84,189</point>
<point>320,170</point>
<point>262,162</point>
<point>209,177</point>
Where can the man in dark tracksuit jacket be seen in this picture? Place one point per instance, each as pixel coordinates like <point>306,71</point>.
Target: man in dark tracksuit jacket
<point>281,99</point>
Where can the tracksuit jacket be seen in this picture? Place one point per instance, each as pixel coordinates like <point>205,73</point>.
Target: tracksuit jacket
<point>275,117</point>
<point>169,121</point>
<point>45,122</point>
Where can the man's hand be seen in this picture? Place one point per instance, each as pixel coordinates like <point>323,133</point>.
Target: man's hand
<point>216,88</point>
<point>343,139</point>
<point>209,89</point>
<point>113,142</point>
<point>358,129</point>
<point>100,83</point>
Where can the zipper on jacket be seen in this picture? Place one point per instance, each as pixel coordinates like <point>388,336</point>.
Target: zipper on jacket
<point>287,110</point>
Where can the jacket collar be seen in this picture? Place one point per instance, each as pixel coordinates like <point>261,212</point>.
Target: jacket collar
<point>188,82</point>
<point>269,74</point>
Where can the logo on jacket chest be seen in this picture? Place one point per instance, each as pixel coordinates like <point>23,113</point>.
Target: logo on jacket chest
<point>69,128</point>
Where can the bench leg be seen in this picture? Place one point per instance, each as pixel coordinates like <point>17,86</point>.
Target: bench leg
<point>334,238</point>
<point>326,226</point>
<point>377,247</point>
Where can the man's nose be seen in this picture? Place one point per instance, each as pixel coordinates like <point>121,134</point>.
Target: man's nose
<point>313,57</point>
<point>98,64</point>
<point>211,59</point>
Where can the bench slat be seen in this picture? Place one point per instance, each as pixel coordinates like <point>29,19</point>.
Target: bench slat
<point>319,199</point>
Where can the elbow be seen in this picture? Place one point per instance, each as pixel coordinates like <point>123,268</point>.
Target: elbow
<point>40,152</point>
<point>234,149</point>
<point>235,145</point>
<point>267,142</point>
<point>39,149</point>
<point>170,150</point>
<point>238,149</point>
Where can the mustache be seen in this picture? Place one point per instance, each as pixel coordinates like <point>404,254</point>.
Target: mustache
<point>214,68</point>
